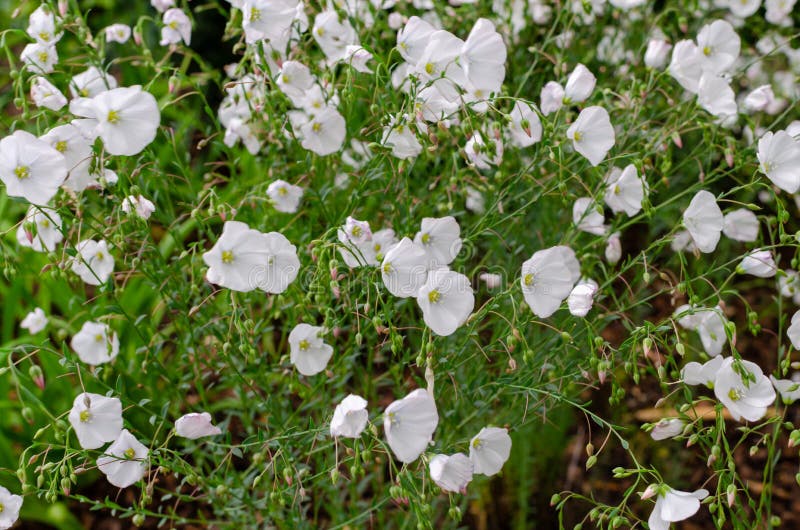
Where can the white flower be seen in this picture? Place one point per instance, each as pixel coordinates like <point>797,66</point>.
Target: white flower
<point>309,353</point>
<point>446,300</point>
<point>702,374</point>
<point>413,38</point>
<point>613,252</point>
<point>656,54</point>
<point>440,238</point>
<point>402,140</point>
<point>667,428</point>
<point>689,317</point>
<point>285,197</point>
<point>489,450</point>
<point>475,201</point>
<point>405,268</point>
<point>40,230</point>
<point>35,321</point>
<point>244,259</point>
<point>674,505</point>
<point>758,263</point>
<point>740,225</point>
<point>409,424</point>
<point>177,27</point>
<point>525,127</point>
<point>592,134</point>
<point>720,44</point>
<point>95,343</point>
<point>93,263</point>
<point>492,281</point>
<point>712,331</point>
<point>779,12</point>
<point>788,389</point>
<point>138,205</point>
<point>46,94</point>
<point>703,219</point>
<point>333,34</point>
<point>322,133</point>
<point>162,5</point>
<point>42,26</point>
<point>125,461</point>
<point>779,158</point>
<point>789,285</point>
<point>350,417</point>
<point>480,153</point>
<point>11,505</point>
<point>125,118</point>
<point>683,242</point>
<point>581,297</point>
<point>716,96</point>
<point>196,425</point>
<point>686,65</point>
<point>96,419</point>
<point>90,83</point>
<point>745,396</point>
<point>760,98</point>
<point>551,97</point>
<point>483,57</point>
<point>40,58</point>
<point>588,216</point>
<point>357,57</point>
<point>580,85</point>
<point>451,473</point>
<point>743,8</point>
<point>78,155</point>
<point>30,168</point>
<point>547,279</point>
<point>296,81</point>
<point>625,190</point>
<point>239,130</point>
<point>793,332</point>
<point>118,33</point>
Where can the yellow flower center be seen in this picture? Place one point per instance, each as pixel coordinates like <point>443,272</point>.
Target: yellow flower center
<point>61,146</point>
<point>477,443</point>
<point>426,238</point>
<point>577,136</point>
<point>2,508</point>
<point>85,416</point>
<point>316,127</point>
<point>528,279</point>
<point>113,116</point>
<point>706,49</point>
<point>320,32</point>
<point>255,14</point>
<point>434,296</point>
<point>282,191</point>
<point>45,223</point>
<point>304,345</point>
<point>227,256</point>
<point>356,231</point>
<point>734,394</point>
<point>22,172</point>
<point>173,25</point>
<point>43,57</point>
<point>429,68</point>
<point>99,256</point>
<point>129,453</point>
<point>616,189</point>
<point>44,35</point>
<point>83,92</point>
<point>99,337</point>
<point>387,267</point>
